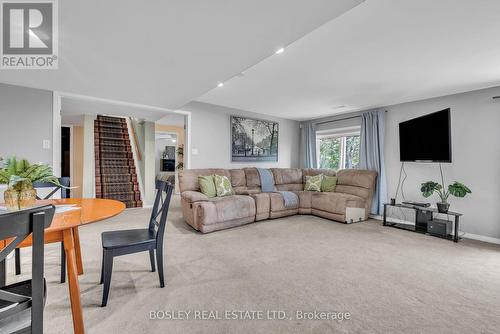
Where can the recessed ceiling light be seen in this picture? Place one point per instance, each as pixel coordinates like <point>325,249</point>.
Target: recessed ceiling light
<point>220,84</point>
<point>280,50</point>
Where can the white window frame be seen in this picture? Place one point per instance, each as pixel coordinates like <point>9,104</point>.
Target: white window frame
<point>336,133</point>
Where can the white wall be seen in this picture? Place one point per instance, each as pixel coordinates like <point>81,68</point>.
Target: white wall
<point>88,185</point>
<point>211,137</point>
<point>26,121</point>
<point>475,120</point>
<point>149,164</point>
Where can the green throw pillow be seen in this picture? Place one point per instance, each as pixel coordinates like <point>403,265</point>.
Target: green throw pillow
<point>223,186</point>
<point>313,183</point>
<point>207,185</point>
<point>329,183</point>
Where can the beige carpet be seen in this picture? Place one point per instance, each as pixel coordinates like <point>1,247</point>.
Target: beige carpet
<point>390,281</point>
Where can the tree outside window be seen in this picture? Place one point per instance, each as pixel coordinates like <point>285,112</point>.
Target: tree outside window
<point>339,152</point>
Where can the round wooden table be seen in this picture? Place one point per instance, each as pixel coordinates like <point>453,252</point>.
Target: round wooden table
<point>65,228</point>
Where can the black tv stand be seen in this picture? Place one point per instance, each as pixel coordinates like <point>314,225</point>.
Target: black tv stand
<point>415,228</point>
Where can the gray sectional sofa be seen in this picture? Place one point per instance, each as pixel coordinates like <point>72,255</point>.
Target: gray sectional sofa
<point>350,202</point>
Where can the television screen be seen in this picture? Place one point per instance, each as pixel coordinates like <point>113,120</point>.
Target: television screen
<point>426,138</point>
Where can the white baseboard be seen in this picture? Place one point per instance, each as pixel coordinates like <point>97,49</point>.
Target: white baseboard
<point>465,234</point>
<point>481,238</point>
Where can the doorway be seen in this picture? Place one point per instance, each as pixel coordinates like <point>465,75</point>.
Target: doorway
<point>66,154</point>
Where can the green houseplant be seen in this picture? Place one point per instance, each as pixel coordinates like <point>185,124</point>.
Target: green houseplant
<point>180,155</point>
<point>456,189</point>
<point>19,176</point>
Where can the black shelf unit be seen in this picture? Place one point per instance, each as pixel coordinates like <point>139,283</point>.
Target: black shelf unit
<point>418,227</point>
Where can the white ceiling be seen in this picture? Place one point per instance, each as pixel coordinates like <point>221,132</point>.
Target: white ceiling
<point>172,119</point>
<point>380,53</point>
<point>73,109</point>
<point>167,53</point>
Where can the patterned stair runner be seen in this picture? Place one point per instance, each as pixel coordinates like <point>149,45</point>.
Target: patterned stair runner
<point>115,172</point>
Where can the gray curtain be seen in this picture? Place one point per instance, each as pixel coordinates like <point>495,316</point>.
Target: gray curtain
<point>371,154</point>
<point>308,145</point>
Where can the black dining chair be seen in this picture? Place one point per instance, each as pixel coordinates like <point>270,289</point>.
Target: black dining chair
<point>118,243</point>
<point>22,303</point>
<point>64,181</point>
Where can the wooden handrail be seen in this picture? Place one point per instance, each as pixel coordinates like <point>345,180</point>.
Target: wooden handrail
<point>136,142</point>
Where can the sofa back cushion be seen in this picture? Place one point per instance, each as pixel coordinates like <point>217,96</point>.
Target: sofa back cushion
<point>238,177</point>
<point>357,182</point>
<point>188,178</point>
<point>287,175</point>
<point>253,177</point>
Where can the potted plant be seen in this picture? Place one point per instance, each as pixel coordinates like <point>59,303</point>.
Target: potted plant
<point>456,189</point>
<point>19,176</point>
<point>180,155</point>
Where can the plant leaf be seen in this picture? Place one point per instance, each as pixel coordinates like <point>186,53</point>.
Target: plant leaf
<point>429,187</point>
<point>458,189</point>
<point>14,180</point>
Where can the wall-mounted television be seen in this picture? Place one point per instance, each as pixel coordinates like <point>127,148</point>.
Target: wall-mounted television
<point>426,138</point>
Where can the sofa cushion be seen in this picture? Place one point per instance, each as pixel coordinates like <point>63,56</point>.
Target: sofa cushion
<point>245,191</point>
<point>223,186</point>
<point>207,185</point>
<point>252,176</point>
<point>220,209</point>
<point>304,199</point>
<point>262,205</point>
<point>335,202</point>
<point>290,187</point>
<point>287,176</point>
<point>238,178</point>
<point>278,203</point>
<point>357,178</point>
<point>188,178</point>
<point>328,183</point>
<point>313,183</point>
<point>357,182</point>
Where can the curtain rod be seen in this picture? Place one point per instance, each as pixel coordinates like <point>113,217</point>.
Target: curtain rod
<point>338,120</point>
<point>341,119</point>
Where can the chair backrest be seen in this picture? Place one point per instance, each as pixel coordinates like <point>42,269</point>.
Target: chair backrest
<point>158,220</point>
<point>64,181</point>
<point>19,225</point>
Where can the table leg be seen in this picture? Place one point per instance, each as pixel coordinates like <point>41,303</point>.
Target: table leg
<point>455,237</point>
<point>3,266</point>
<point>74,287</point>
<point>3,273</point>
<point>385,215</point>
<point>78,251</point>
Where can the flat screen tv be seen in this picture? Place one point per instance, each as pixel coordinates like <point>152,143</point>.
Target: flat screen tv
<point>426,138</point>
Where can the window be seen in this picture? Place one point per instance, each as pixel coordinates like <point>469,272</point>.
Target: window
<point>338,151</point>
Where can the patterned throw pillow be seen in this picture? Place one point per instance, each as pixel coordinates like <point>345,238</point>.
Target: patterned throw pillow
<point>223,186</point>
<point>313,183</point>
<point>207,185</point>
<point>329,183</point>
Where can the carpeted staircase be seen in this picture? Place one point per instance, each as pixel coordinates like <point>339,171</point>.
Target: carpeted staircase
<point>115,172</point>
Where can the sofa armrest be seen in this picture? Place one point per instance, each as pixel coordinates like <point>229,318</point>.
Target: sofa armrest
<point>194,196</point>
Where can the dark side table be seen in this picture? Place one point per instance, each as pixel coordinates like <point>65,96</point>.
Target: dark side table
<point>418,210</point>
